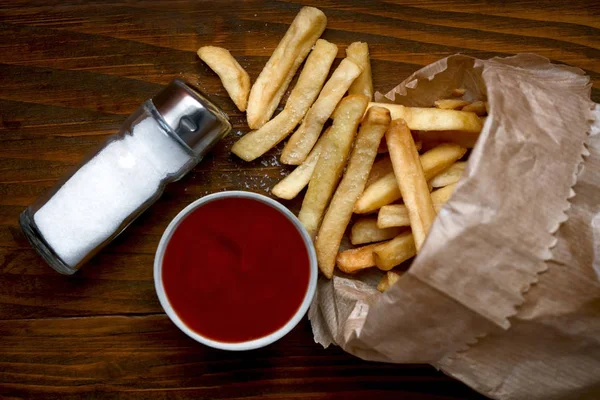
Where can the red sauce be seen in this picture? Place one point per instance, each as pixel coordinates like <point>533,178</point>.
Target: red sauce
<point>235,269</point>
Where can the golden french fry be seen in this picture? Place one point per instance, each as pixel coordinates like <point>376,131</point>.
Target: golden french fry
<point>382,149</point>
<point>449,176</point>
<point>378,194</point>
<point>337,217</point>
<point>434,119</point>
<point>365,230</point>
<point>451,104</point>
<point>234,78</point>
<point>478,107</point>
<point>440,158</point>
<point>353,260</point>
<point>388,280</point>
<point>302,141</point>
<point>385,190</point>
<point>395,252</point>
<point>277,74</point>
<point>396,215</point>
<point>431,139</point>
<point>359,53</point>
<point>329,169</point>
<point>312,78</point>
<point>393,215</point>
<point>380,168</point>
<point>256,143</point>
<point>291,185</point>
<point>383,146</point>
<point>441,196</point>
<point>459,92</point>
<point>411,179</point>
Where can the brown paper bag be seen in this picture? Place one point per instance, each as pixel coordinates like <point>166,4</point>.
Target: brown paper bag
<point>503,295</point>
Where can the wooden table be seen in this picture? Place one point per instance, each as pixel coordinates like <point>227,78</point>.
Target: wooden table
<point>70,71</point>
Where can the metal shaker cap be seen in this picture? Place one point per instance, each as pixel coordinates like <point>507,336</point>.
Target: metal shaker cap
<point>196,120</point>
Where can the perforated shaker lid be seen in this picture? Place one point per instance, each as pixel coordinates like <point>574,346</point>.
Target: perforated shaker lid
<point>192,116</point>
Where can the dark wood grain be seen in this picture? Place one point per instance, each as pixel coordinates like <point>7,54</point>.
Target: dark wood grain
<point>70,72</point>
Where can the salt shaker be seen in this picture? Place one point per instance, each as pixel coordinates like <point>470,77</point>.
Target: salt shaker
<point>158,144</point>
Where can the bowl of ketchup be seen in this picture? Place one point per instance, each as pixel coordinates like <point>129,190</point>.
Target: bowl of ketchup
<point>235,270</point>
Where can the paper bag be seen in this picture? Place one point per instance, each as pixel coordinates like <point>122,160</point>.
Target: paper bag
<point>503,294</point>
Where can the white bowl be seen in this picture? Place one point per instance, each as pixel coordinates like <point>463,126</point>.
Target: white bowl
<point>251,344</point>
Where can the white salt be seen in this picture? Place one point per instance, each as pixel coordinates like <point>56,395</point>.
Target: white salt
<point>91,206</point>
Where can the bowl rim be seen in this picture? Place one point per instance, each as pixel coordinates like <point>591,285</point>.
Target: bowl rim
<point>250,344</point>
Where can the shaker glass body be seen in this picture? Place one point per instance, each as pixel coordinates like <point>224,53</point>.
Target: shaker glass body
<point>106,192</point>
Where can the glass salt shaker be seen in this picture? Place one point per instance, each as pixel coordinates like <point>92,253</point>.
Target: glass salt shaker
<point>158,144</point>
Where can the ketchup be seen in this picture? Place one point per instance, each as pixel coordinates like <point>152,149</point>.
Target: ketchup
<point>235,269</point>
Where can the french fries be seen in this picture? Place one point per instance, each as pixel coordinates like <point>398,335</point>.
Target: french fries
<point>329,168</point>
<point>291,185</point>
<point>434,119</point>
<point>381,162</point>
<point>354,260</point>
<point>302,141</point>
<point>411,180</point>
<point>385,190</point>
<point>458,92</point>
<point>277,74</point>
<point>256,143</point>
<point>359,53</point>
<point>478,107</point>
<point>440,158</point>
<point>388,280</point>
<point>380,168</point>
<point>383,147</point>
<point>449,176</point>
<point>396,215</point>
<point>378,194</point>
<point>234,78</point>
<point>451,104</point>
<point>366,230</point>
<point>441,196</point>
<point>395,252</point>
<point>337,217</point>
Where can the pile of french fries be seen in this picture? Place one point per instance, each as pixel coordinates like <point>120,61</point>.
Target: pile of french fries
<point>385,167</point>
